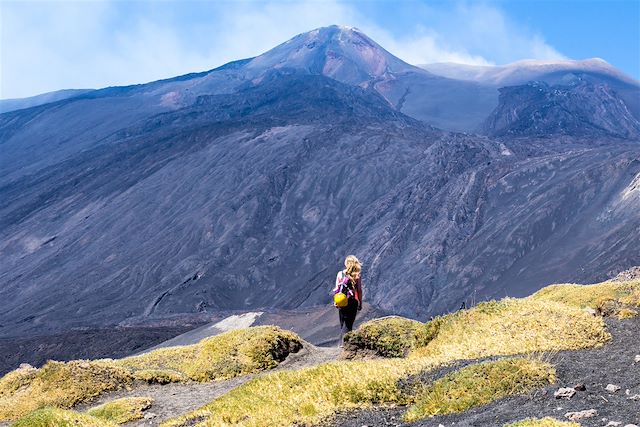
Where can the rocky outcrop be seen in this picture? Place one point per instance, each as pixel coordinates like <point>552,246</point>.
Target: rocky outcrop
<point>629,274</point>
<point>582,109</point>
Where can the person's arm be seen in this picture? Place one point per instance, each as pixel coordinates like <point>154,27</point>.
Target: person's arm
<point>359,291</point>
<point>337,287</point>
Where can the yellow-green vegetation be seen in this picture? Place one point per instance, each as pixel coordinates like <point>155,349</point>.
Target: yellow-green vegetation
<point>386,337</point>
<point>626,313</point>
<point>123,410</point>
<point>542,422</point>
<point>478,385</point>
<point>56,417</point>
<point>65,384</point>
<point>513,326</point>
<point>58,384</point>
<point>224,356</point>
<point>159,376</point>
<point>606,297</point>
<point>308,395</point>
<point>551,320</point>
<point>502,328</point>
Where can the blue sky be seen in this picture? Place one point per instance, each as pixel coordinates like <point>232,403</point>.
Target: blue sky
<point>52,45</point>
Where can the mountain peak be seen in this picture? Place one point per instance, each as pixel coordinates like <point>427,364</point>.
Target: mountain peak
<point>341,52</point>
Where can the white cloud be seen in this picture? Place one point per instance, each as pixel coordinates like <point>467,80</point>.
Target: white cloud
<point>54,45</point>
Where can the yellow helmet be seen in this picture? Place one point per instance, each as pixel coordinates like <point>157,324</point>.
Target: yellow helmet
<point>340,300</point>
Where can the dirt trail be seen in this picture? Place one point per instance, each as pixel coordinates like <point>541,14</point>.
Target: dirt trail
<point>172,400</point>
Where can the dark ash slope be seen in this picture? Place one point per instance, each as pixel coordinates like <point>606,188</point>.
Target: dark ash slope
<point>250,201</point>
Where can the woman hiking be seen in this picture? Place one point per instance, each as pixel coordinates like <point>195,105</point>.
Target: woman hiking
<point>348,283</point>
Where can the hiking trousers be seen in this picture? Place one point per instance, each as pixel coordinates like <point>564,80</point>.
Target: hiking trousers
<point>348,316</point>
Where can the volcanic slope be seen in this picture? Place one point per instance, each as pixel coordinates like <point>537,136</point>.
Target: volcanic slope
<point>243,188</point>
<point>209,207</point>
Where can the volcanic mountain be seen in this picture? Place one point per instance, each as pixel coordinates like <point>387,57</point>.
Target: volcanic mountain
<point>243,188</point>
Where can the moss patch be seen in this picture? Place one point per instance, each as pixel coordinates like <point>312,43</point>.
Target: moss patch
<point>542,422</point>
<point>478,385</point>
<point>50,417</point>
<point>122,410</point>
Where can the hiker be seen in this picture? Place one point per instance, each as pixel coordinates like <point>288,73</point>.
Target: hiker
<point>348,294</point>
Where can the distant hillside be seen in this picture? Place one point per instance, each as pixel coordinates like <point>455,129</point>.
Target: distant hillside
<point>581,109</point>
<point>563,73</point>
<point>7,105</point>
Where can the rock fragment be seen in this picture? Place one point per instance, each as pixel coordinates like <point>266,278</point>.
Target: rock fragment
<point>612,388</point>
<point>580,415</point>
<point>564,392</point>
<point>580,387</point>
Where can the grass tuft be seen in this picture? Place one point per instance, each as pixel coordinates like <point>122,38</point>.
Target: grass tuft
<point>59,384</point>
<point>123,410</point>
<point>618,294</point>
<point>513,326</point>
<point>65,384</point>
<point>626,313</point>
<point>159,376</point>
<point>309,395</point>
<point>224,356</point>
<point>56,417</point>
<point>543,422</point>
<point>497,328</point>
<point>16,380</point>
<point>391,336</point>
<point>478,385</point>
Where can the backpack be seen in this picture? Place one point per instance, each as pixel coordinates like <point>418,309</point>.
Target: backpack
<point>344,292</point>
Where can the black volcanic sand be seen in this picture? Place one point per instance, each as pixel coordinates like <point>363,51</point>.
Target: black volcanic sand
<point>595,368</point>
<point>86,344</point>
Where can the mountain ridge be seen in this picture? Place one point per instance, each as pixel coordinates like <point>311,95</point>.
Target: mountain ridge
<point>195,195</point>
